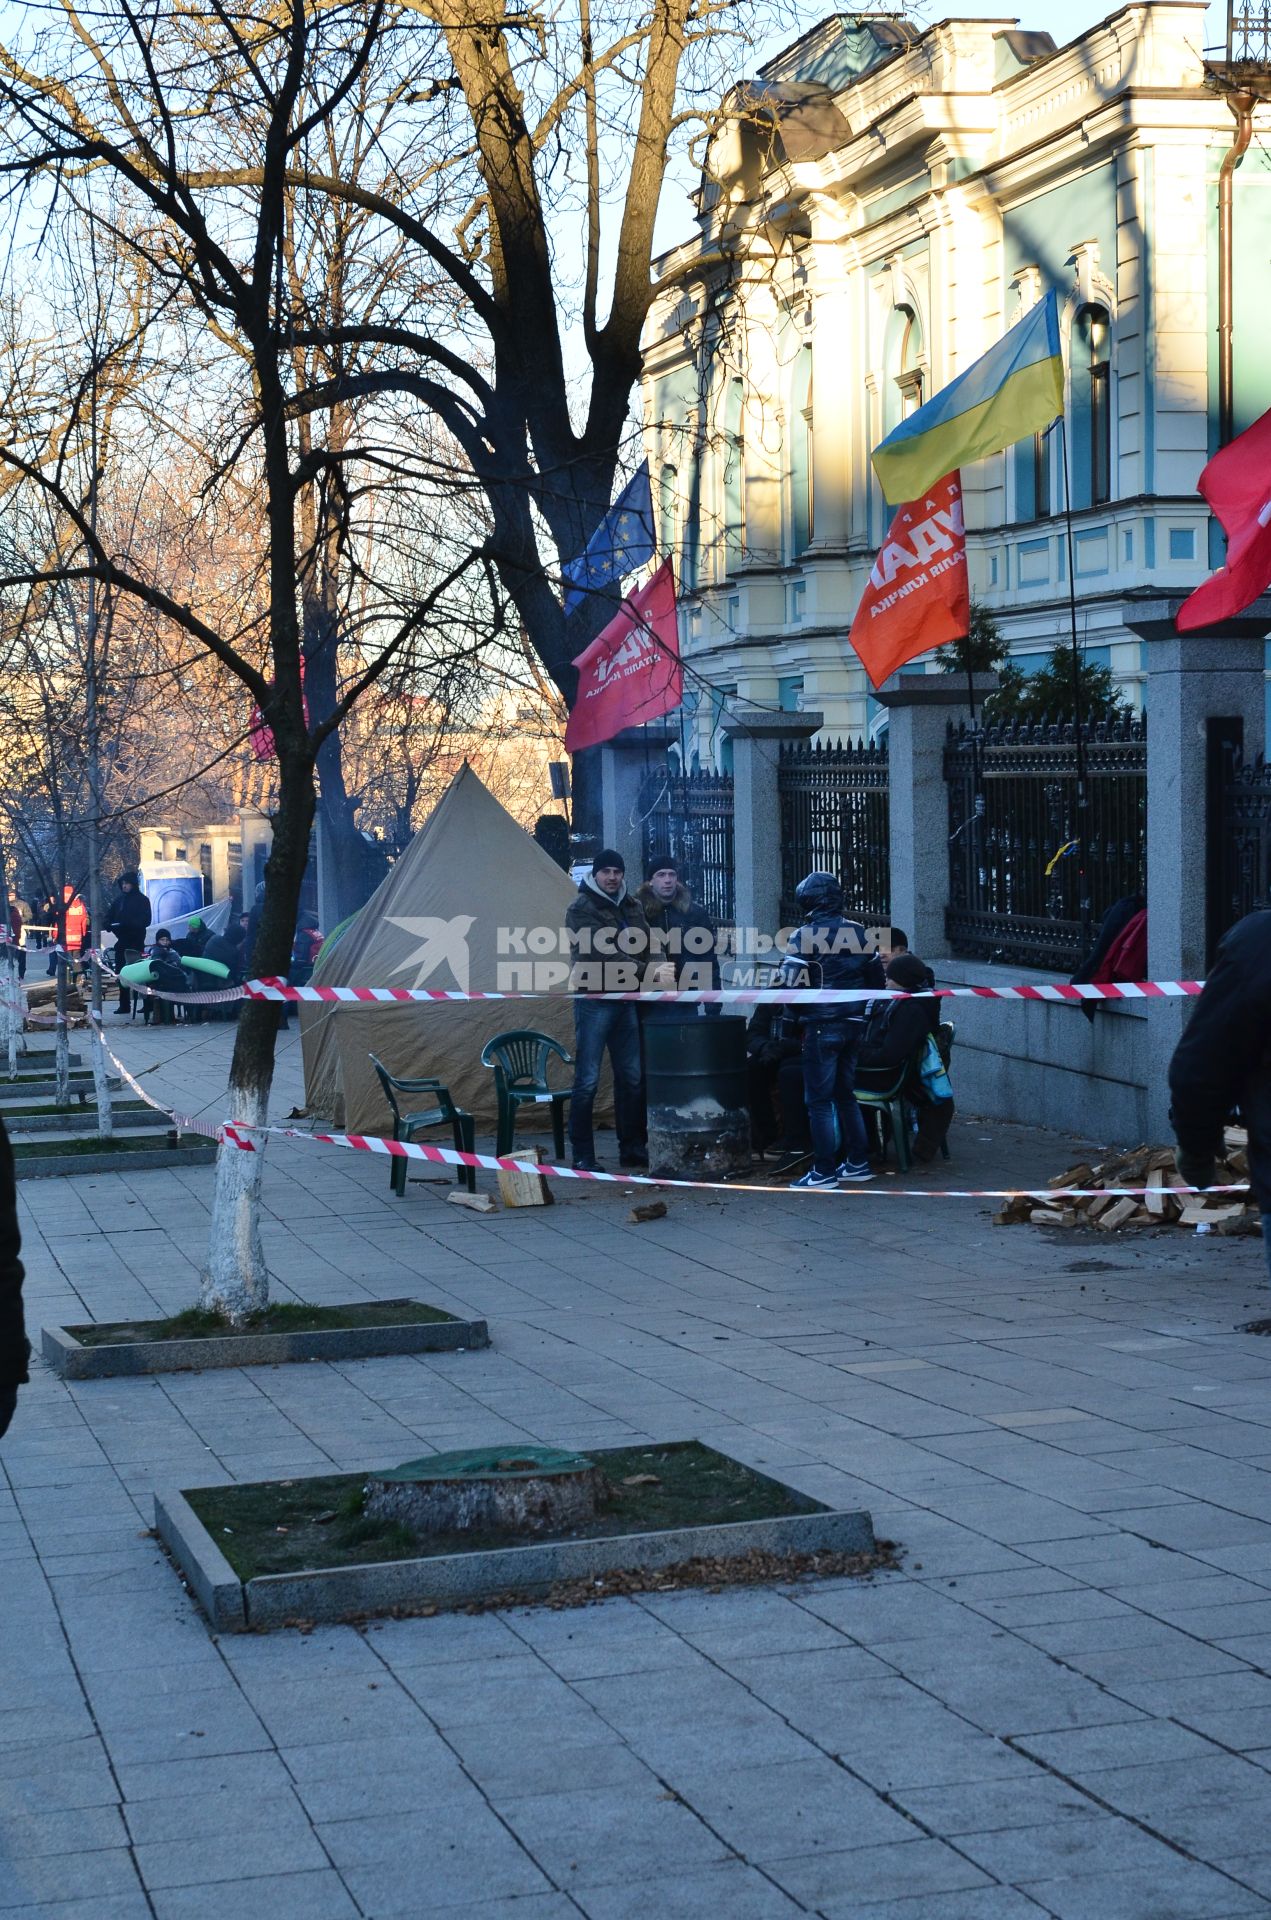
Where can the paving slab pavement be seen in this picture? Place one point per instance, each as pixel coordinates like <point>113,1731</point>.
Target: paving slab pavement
<point>1060,1705</point>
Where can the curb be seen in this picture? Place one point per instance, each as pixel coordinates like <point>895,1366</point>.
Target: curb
<point>65,1355</point>
<point>43,1166</point>
<point>452,1580</point>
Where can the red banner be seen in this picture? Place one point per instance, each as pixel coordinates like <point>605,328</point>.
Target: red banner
<point>1237,485</point>
<point>917,596</point>
<point>630,672</point>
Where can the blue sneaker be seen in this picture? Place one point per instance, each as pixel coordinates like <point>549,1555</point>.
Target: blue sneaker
<point>815,1179</point>
<point>853,1172</point>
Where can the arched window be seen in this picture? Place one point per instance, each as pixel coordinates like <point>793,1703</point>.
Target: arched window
<point>1091,408</point>
<point>734,473</point>
<point>667,480</point>
<point>801,500</point>
<point>902,352</point>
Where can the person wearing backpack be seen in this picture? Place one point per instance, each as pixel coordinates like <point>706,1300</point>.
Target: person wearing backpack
<point>907,1031</point>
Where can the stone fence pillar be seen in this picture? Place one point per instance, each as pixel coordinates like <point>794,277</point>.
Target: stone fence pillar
<point>921,705</point>
<point>624,762</point>
<point>1204,691</point>
<point>757,736</point>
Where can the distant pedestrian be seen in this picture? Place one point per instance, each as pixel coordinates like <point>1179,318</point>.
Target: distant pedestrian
<point>828,951</point>
<point>14,950</point>
<point>128,918</point>
<point>1223,1062</point>
<point>14,1346</point>
<point>609,946</point>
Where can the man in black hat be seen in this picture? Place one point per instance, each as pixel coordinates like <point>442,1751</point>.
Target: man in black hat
<point>609,948</point>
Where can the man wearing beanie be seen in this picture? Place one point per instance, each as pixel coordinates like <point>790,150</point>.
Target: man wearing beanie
<point>683,934</point>
<point>609,947</point>
<point>896,1039</point>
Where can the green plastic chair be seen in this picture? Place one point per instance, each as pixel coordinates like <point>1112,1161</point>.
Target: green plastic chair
<point>519,1060</point>
<point>443,1112</point>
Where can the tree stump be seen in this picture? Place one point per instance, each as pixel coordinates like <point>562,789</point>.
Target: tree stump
<point>512,1489</point>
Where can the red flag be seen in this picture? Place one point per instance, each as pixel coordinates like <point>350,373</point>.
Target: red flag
<point>1237,485</point>
<point>917,596</point>
<point>630,672</point>
<point>261,734</point>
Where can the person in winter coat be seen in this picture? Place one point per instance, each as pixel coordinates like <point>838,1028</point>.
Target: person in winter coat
<point>227,949</point>
<point>829,951</point>
<point>14,1346</point>
<point>774,1066</point>
<point>14,949</point>
<point>896,1036</point>
<point>684,938</point>
<point>609,947</point>
<point>1223,1061</point>
<point>128,918</point>
<point>193,943</point>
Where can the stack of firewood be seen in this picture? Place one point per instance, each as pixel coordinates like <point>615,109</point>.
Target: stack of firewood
<point>1167,1201</point>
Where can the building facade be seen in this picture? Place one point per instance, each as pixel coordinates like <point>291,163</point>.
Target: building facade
<point>877,207</point>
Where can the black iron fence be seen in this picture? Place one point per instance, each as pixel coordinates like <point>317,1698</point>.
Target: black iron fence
<point>835,817</point>
<point>691,817</point>
<point>1015,856</point>
<point>1239,863</point>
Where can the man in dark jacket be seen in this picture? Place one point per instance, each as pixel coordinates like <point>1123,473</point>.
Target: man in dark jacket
<point>13,1341</point>
<point>609,947</point>
<point>1224,1060</point>
<point>128,919</point>
<point>829,951</point>
<point>684,938</point>
<point>894,1039</point>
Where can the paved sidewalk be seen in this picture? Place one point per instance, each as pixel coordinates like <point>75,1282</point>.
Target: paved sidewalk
<point>1060,1706</point>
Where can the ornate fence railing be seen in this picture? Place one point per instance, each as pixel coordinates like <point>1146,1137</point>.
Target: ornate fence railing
<point>691,817</point>
<point>1015,860</point>
<point>1240,864</point>
<point>835,816</point>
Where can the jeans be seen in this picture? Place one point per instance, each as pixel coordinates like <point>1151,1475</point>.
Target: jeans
<point>829,1081</point>
<point>614,1024</point>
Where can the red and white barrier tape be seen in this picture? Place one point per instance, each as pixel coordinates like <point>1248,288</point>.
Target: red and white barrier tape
<point>272,988</point>
<point>241,1134</point>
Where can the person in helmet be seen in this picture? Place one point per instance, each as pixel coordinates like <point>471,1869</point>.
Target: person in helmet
<point>830,951</point>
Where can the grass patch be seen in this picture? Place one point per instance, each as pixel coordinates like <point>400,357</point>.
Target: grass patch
<point>286,1316</point>
<point>286,1526</point>
<point>93,1143</point>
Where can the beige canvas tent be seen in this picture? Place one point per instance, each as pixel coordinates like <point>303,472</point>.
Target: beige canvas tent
<point>468,872</point>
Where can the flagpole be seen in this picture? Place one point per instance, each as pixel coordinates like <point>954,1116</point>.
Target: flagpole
<point>1079,738</point>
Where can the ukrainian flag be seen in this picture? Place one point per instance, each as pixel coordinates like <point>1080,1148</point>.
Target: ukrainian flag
<point>1015,389</point>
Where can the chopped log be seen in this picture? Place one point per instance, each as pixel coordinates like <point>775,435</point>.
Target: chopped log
<point>1118,1215</point>
<point>651,1210</point>
<point>1101,1204</point>
<point>526,1189</point>
<point>1081,1176</point>
<point>1154,1199</point>
<point>475,1202</point>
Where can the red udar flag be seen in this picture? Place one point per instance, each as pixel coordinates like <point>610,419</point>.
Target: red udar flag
<point>630,672</point>
<point>917,596</point>
<point>1237,485</point>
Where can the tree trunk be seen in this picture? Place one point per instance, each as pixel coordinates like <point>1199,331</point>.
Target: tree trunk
<point>61,1044</point>
<point>235,1281</point>
<point>13,1011</point>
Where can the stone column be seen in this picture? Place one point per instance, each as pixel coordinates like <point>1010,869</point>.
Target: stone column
<point>921,705</point>
<point>624,762</point>
<point>757,738</point>
<point>1201,688</point>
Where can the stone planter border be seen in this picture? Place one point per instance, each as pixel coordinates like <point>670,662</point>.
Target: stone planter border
<point>68,1357</point>
<point>83,1119</point>
<point>452,1580</point>
<point>42,1166</point>
<point>41,1089</point>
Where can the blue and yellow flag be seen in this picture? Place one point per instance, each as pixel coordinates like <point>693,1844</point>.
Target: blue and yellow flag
<point>1015,389</point>
<point>623,541</point>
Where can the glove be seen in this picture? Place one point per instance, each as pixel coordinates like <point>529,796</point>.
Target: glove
<point>1196,1168</point>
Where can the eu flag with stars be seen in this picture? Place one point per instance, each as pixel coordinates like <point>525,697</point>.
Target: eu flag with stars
<point>623,541</point>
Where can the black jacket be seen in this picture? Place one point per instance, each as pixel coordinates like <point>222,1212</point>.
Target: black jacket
<point>1224,1057</point>
<point>128,919</point>
<point>828,951</point>
<point>228,952</point>
<point>13,1340</point>
<point>671,922</point>
<point>604,935</point>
